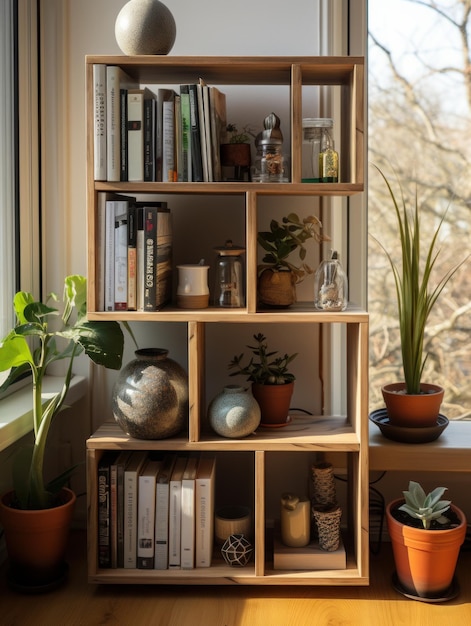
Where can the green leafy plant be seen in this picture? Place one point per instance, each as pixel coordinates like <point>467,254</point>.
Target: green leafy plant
<point>264,369</point>
<point>416,296</point>
<point>236,136</point>
<point>289,235</point>
<point>425,507</point>
<point>31,346</point>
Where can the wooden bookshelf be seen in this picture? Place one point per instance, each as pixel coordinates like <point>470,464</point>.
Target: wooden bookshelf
<point>307,435</point>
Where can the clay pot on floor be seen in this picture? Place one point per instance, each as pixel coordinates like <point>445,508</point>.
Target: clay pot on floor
<point>36,542</point>
<point>425,559</point>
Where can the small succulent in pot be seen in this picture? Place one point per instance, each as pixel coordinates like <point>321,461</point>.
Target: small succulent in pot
<point>425,507</point>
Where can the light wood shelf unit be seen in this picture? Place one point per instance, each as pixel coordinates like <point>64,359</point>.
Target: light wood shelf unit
<point>314,434</point>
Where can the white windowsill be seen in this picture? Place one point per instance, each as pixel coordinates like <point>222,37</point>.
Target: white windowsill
<point>16,412</point>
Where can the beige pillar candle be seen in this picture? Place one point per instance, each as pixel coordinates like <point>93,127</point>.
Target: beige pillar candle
<point>295,520</point>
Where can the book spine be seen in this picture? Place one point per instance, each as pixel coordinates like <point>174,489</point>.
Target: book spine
<point>149,139</point>
<point>132,257</point>
<point>135,135</point>
<point>150,245</point>
<point>204,516</point>
<point>130,498</point>
<point>196,162</point>
<point>104,545</point>
<point>188,524</point>
<point>146,522</point>
<point>112,123</point>
<point>99,121</point>
<point>168,141</point>
<point>186,134</point>
<point>140,259</point>
<point>109,255</point>
<point>121,258</point>
<point>114,514</point>
<point>123,130</point>
<point>161,526</point>
<point>163,259</point>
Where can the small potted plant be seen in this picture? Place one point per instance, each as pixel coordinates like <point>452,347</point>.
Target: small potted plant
<point>413,403</point>
<point>278,277</point>
<point>37,341</point>
<point>272,382</point>
<point>236,149</point>
<point>426,534</point>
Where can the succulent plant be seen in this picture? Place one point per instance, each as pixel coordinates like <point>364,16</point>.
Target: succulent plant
<point>426,507</point>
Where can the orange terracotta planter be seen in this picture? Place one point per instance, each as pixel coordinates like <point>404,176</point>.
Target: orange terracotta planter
<point>274,401</point>
<point>425,559</point>
<point>36,540</point>
<point>413,410</point>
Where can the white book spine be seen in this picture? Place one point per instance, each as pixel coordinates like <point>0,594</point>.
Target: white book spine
<point>204,512</point>
<point>120,257</point>
<point>188,515</point>
<point>168,141</point>
<point>146,522</point>
<point>113,144</point>
<point>161,526</point>
<point>109,255</point>
<point>135,136</point>
<point>99,121</point>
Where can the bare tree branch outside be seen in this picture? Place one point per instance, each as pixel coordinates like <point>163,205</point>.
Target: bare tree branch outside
<point>420,134</point>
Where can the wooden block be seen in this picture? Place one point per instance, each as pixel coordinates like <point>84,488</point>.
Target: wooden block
<point>311,557</point>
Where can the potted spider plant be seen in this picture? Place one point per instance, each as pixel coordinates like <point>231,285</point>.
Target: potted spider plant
<point>272,382</point>
<point>279,274</point>
<point>426,534</point>
<point>412,402</point>
<point>36,514</point>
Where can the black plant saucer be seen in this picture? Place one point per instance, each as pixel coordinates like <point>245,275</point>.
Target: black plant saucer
<point>405,434</point>
<point>17,583</point>
<point>452,591</point>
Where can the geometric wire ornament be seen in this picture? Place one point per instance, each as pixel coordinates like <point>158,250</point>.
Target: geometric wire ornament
<point>237,551</point>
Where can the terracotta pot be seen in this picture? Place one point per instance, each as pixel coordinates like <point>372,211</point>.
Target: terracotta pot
<point>36,541</point>
<point>235,154</point>
<point>413,410</point>
<point>274,401</point>
<point>425,559</point>
<point>276,288</point>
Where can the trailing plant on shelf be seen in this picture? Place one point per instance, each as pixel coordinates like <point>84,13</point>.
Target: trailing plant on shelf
<point>263,368</point>
<point>32,346</point>
<point>287,236</point>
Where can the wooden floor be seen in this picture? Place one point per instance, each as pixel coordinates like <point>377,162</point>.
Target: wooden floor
<point>79,604</point>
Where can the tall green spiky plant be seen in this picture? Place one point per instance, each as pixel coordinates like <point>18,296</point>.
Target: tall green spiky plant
<point>32,345</point>
<point>416,297</point>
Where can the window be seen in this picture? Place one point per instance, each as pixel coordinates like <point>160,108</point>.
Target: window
<point>419,124</point>
<point>19,163</point>
<point>8,161</point>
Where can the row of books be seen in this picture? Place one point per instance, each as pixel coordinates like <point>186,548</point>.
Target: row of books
<point>135,248</point>
<point>155,512</point>
<point>142,135</point>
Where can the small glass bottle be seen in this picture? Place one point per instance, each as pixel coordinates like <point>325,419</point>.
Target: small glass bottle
<point>313,130</point>
<point>229,291</point>
<point>328,160</point>
<point>331,285</point>
<point>269,166</point>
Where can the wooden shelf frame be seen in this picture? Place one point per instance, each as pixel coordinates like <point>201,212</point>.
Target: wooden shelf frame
<point>347,434</point>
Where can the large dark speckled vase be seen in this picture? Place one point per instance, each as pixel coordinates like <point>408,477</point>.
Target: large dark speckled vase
<point>150,396</point>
